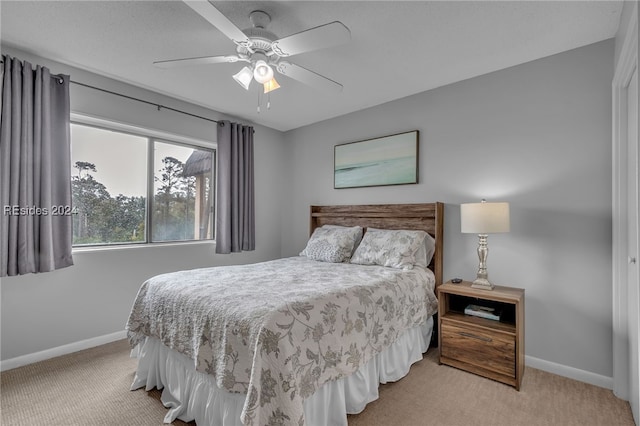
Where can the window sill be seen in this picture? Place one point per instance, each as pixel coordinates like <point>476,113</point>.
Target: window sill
<point>89,249</point>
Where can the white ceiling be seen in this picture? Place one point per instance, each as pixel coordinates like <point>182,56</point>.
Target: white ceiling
<point>397,48</point>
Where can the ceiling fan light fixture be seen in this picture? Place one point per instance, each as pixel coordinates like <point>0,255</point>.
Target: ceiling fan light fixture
<point>262,72</point>
<point>271,85</point>
<point>244,77</point>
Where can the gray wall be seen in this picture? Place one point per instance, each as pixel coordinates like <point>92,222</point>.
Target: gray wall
<point>537,135</point>
<point>93,297</point>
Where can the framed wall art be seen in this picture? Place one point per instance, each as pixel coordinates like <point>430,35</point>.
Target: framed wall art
<point>387,160</point>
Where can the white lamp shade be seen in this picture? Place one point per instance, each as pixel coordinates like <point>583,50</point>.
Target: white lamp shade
<point>263,72</point>
<point>484,218</point>
<point>244,77</point>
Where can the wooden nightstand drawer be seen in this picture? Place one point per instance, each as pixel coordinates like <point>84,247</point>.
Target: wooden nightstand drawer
<point>483,348</point>
<point>493,349</point>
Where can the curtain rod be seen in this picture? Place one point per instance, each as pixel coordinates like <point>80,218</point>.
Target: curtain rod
<point>159,106</point>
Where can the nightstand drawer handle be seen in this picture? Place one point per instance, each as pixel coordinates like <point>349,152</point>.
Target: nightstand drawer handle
<point>473,336</point>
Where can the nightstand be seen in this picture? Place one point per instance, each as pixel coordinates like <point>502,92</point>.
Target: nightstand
<point>489,348</point>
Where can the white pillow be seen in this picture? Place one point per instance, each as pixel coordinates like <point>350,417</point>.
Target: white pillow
<point>392,248</point>
<point>333,244</point>
<point>425,252</point>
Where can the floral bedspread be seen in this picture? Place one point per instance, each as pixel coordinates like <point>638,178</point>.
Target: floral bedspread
<point>279,330</point>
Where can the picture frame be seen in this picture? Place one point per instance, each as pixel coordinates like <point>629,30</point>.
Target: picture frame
<point>382,161</point>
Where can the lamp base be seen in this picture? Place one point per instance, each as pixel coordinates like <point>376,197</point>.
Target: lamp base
<point>482,283</point>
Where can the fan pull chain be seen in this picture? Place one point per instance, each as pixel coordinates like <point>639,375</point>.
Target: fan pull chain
<point>260,101</point>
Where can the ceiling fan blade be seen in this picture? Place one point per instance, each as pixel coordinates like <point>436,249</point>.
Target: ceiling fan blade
<point>327,35</point>
<point>308,77</point>
<point>203,60</point>
<point>209,12</point>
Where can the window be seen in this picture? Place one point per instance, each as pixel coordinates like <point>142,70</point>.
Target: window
<point>182,193</point>
<point>134,188</point>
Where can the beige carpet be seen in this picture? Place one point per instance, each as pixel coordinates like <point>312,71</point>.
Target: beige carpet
<point>92,388</point>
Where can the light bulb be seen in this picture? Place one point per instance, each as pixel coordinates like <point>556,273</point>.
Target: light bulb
<point>262,72</point>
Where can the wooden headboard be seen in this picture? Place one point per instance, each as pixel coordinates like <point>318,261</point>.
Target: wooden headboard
<point>425,217</point>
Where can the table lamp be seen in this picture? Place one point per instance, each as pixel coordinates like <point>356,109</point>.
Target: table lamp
<point>484,218</point>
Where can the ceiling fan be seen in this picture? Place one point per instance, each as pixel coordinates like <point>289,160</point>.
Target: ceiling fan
<point>263,51</point>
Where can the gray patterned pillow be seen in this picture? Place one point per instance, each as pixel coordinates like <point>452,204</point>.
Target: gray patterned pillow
<point>332,244</point>
<point>392,248</point>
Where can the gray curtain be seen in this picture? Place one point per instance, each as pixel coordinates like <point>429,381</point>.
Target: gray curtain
<point>35,170</point>
<point>235,217</point>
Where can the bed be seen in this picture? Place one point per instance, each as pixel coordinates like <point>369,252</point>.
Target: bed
<point>300,340</point>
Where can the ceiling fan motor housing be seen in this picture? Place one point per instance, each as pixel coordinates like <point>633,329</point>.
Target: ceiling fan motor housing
<point>261,39</point>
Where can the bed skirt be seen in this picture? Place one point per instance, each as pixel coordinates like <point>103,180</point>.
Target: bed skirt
<point>192,395</point>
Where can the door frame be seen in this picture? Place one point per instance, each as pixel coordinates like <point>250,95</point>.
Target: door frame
<point>627,64</point>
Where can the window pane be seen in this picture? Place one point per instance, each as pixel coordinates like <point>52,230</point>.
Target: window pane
<point>109,186</point>
<point>182,193</point>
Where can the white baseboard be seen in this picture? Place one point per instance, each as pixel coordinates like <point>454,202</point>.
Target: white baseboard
<point>19,361</point>
<point>570,372</point>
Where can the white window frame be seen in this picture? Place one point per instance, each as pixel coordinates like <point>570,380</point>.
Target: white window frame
<point>153,135</point>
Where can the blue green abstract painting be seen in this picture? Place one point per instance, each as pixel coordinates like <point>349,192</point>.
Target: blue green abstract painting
<point>388,160</point>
